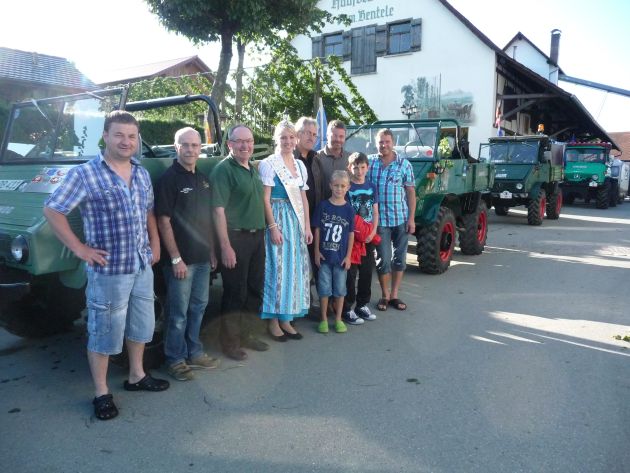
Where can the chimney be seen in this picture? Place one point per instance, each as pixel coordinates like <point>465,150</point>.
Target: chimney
<point>555,45</point>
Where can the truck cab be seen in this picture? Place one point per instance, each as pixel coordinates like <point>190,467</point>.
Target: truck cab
<point>588,174</point>
<point>528,171</point>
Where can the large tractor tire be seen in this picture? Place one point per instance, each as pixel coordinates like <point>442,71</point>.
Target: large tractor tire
<point>554,205</point>
<point>50,308</point>
<point>472,240</point>
<point>536,208</point>
<point>436,243</point>
<point>500,210</point>
<point>603,196</point>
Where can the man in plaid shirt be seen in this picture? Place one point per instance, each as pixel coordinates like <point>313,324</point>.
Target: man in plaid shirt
<point>394,180</point>
<point>115,198</point>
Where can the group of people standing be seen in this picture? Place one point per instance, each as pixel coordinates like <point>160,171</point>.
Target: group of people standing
<point>270,228</point>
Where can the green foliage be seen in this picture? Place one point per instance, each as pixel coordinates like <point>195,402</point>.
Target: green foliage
<point>259,21</point>
<point>288,84</point>
<point>162,132</point>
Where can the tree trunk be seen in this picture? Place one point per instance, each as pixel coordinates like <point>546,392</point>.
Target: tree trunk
<point>220,80</point>
<point>238,101</point>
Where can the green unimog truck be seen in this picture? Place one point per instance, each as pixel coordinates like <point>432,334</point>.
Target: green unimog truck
<point>587,170</point>
<point>528,171</point>
<point>41,281</point>
<point>451,187</point>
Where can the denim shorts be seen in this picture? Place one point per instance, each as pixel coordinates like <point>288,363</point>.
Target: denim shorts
<point>399,238</point>
<point>331,280</point>
<point>119,306</point>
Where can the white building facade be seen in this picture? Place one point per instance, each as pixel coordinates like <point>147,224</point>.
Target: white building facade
<point>401,52</point>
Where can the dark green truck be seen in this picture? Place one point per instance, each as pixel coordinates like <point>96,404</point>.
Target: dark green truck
<point>528,172</point>
<point>41,281</point>
<point>451,187</point>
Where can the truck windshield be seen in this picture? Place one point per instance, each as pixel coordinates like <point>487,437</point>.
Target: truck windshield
<point>58,130</point>
<point>584,155</point>
<point>409,141</point>
<point>510,152</point>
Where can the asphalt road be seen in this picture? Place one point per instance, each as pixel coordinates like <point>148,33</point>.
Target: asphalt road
<point>506,363</point>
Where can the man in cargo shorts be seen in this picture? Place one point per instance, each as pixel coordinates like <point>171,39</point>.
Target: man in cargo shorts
<point>394,180</point>
<point>115,198</point>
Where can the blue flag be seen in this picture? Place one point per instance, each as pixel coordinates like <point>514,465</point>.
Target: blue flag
<point>322,125</point>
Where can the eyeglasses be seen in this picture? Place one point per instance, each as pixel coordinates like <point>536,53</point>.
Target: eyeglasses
<point>242,142</point>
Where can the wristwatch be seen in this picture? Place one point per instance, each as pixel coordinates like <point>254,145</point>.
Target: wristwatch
<point>176,260</point>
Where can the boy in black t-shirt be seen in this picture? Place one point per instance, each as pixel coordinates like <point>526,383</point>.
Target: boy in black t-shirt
<point>363,197</point>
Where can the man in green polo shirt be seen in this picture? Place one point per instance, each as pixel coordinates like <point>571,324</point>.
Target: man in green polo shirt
<point>237,200</point>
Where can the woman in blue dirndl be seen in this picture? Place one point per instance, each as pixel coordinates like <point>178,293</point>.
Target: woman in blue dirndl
<point>287,267</point>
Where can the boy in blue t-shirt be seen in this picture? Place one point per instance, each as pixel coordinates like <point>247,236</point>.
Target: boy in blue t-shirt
<point>363,197</point>
<point>333,224</point>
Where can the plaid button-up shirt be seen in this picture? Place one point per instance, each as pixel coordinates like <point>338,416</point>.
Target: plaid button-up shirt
<point>114,215</point>
<point>390,182</point>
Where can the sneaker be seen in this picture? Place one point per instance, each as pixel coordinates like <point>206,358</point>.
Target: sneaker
<point>181,371</point>
<point>340,327</point>
<point>365,313</point>
<point>352,318</point>
<point>203,362</point>
<point>323,327</point>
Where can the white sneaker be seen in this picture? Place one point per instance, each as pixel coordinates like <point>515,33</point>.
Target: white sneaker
<point>365,313</point>
<point>351,318</point>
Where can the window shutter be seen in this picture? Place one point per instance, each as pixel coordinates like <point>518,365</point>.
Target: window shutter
<point>347,45</point>
<point>356,66</point>
<point>416,34</point>
<point>369,63</point>
<point>381,40</point>
<point>317,47</point>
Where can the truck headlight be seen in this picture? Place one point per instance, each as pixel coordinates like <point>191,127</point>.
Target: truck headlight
<point>519,186</point>
<point>19,249</point>
<point>595,177</point>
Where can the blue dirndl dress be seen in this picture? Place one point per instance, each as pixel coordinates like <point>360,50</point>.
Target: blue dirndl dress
<point>287,266</point>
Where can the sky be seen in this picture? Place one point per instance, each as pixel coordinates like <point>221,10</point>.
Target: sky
<point>102,35</point>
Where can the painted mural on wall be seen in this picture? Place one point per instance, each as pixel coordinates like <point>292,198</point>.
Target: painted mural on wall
<point>431,102</point>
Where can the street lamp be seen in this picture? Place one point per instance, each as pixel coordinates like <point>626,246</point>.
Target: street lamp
<point>409,110</point>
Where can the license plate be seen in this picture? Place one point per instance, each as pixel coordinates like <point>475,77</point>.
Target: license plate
<point>505,195</point>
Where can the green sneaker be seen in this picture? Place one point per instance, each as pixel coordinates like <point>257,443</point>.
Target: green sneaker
<point>181,371</point>
<point>323,327</point>
<point>340,327</point>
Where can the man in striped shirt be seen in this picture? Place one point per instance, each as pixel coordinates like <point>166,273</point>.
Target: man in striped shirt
<point>394,180</point>
<point>115,198</point>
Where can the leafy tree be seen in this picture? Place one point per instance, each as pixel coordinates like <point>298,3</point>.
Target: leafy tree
<point>288,84</point>
<point>205,21</point>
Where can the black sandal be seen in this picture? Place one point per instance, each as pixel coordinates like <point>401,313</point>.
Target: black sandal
<point>104,407</point>
<point>148,383</point>
<point>398,304</point>
<point>382,304</point>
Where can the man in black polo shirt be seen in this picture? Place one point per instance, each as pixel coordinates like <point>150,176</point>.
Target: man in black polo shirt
<point>239,214</point>
<point>183,211</point>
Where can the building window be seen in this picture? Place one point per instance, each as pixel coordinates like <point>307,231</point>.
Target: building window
<point>399,38</point>
<point>333,45</point>
<point>363,50</point>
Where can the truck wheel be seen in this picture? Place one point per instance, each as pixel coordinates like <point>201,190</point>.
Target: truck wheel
<point>500,210</point>
<point>49,309</point>
<point>536,208</point>
<point>603,196</point>
<point>554,205</point>
<point>472,240</point>
<point>614,194</point>
<point>436,243</point>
